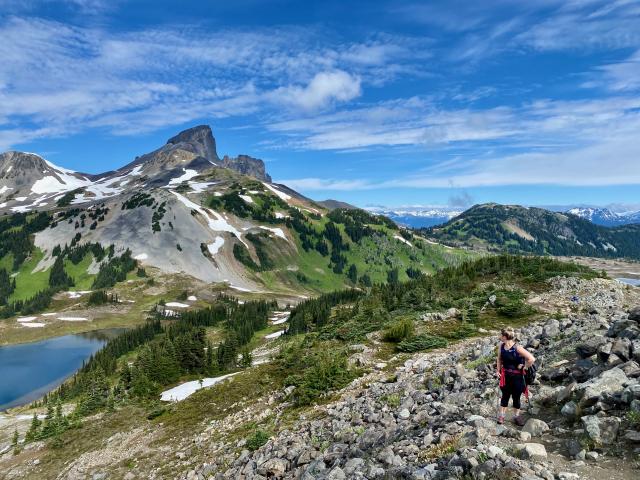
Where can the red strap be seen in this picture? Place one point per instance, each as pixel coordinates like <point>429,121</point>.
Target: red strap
<point>503,380</point>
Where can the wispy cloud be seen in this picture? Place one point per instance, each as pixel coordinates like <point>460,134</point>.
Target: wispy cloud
<point>78,78</point>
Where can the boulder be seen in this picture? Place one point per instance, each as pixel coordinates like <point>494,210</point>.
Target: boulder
<point>274,467</point>
<point>573,447</point>
<point>604,351</point>
<point>634,314</point>
<point>608,382</point>
<point>602,430</point>
<point>622,348</point>
<point>535,427</point>
<point>590,347</point>
<point>635,349</point>
<point>631,369</point>
<point>532,451</point>
<point>551,329</point>
<point>566,392</point>
<point>569,410</point>
<point>632,392</point>
<point>632,436</point>
<point>619,326</point>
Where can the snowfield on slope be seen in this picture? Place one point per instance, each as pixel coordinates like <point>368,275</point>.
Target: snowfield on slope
<point>187,389</point>
<point>281,195</point>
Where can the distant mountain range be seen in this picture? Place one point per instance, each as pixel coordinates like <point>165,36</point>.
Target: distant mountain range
<point>517,229</point>
<point>418,217</point>
<point>605,217</point>
<point>423,217</point>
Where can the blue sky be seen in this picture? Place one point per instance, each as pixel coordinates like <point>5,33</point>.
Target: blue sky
<point>372,102</point>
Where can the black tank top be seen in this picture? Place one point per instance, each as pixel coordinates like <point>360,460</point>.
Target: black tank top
<point>510,357</point>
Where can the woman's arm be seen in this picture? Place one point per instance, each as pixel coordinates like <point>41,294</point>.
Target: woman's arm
<point>528,358</point>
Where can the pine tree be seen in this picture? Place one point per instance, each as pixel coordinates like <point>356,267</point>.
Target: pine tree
<point>58,278</point>
<point>14,442</point>
<point>33,431</point>
<point>247,359</point>
<point>353,273</point>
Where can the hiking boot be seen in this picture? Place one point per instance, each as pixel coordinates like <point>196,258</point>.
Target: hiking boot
<point>500,419</point>
<point>519,421</point>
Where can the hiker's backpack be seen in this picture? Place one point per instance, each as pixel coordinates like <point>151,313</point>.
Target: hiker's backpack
<point>530,374</point>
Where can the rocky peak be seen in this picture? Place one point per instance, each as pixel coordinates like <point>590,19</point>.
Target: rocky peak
<point>14,164</point>
<point>247,165</point>
<point>200,138</point>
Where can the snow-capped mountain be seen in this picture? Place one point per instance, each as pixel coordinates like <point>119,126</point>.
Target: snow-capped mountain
<point>605,217</point>
<point>29,182</point>
<point>418,216</point>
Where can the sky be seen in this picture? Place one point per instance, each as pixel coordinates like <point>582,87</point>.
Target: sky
<point>371,102</point>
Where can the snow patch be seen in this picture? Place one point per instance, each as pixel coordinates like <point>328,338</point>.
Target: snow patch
<point>276,231</point>
<point>78,294</point>
<point>282,195</point>
<point>192,298</point>
<point>176,305</point>
<point>246,198</point>
<point>141,256</point>
<point>65,181</point>
<point>73,319</point>
<point>187,389</point>
<point>215,246</point>
<point>403,240</point>
<point>4,188</point>
<point>216,222</point>
<point>240,289</point>
<point>199,187</point>
<point>188,175</point>
<point>33,325</point>
<point>274,335</point>
<point>25,319</point>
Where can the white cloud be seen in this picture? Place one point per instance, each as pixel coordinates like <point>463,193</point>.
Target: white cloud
<point>323,89</point>
<point>129,82</point>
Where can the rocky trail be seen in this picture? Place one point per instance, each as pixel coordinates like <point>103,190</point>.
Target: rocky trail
<point>433,417</point>
<point>427,415</point>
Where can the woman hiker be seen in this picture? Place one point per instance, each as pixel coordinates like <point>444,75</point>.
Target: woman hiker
<point>513,360</point>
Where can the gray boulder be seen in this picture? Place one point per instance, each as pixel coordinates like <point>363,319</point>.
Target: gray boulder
<point>532,451</point>
<point>608,382</point>
<point>590,347</point>
<point>602,430</point>
<point>622,348</point>
<point>535,427</point>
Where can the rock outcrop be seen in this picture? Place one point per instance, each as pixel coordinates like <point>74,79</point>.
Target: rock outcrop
<point>247,165</point>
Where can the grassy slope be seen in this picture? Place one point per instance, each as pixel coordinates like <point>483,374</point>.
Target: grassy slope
<point>28,282</point>
<point>81,277</point>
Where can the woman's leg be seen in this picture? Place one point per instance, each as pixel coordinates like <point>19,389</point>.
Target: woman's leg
<point>518,389</point>
<point>504,402</point>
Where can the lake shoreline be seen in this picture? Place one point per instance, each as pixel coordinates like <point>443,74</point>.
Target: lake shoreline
<point>30,370</point>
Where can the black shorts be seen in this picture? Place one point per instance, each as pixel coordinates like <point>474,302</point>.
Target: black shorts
<point>514,387</point>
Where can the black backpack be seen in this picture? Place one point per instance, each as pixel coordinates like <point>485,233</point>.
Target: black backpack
<point>530,374</point>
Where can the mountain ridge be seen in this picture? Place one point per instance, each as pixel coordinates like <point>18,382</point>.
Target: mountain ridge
<point>518,229</point>
<point>29,182</point>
